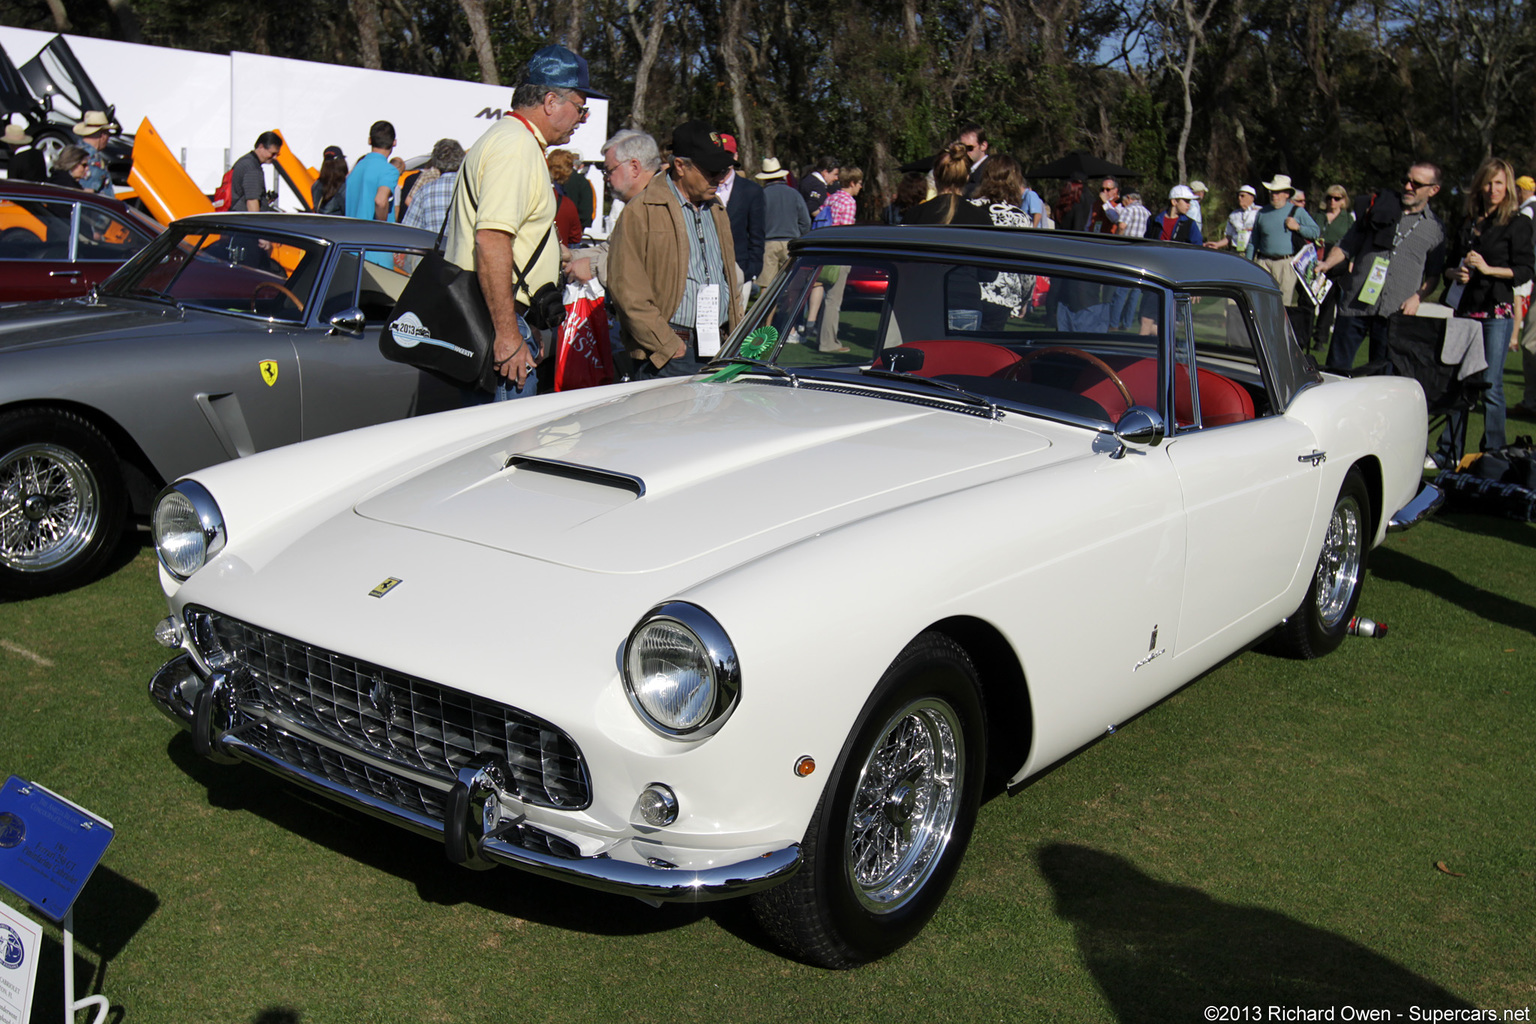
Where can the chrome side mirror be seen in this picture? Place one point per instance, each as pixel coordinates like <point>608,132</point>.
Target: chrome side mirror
<point>1141,426</point>
<point>348,321</point>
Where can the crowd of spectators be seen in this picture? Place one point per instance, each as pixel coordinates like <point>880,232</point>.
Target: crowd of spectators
<point>1343,271</point>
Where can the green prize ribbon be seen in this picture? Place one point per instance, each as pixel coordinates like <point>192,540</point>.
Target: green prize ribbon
<point>752,347</point>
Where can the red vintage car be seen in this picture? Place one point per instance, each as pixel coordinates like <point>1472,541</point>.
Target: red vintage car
<point>57,242</point>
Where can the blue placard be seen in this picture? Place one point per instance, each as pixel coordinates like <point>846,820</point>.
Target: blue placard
<point>48,846</point>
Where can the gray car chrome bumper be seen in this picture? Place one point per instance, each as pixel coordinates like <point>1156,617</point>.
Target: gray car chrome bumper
<point>179,690</point>
<point>1425,503</point>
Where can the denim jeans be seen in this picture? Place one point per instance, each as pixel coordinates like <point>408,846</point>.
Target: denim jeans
<point>505,389</point>
<point>1348,332</point>
<point>1496,335</point>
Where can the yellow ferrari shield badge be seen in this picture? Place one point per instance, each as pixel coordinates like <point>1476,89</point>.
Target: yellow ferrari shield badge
<point>269,371</point>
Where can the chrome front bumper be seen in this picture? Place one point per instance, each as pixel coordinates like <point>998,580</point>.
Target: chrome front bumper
<point>1424,504</point>
<point>185,696</point>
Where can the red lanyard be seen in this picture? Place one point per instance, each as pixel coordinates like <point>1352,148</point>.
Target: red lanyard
<point>535,134</point>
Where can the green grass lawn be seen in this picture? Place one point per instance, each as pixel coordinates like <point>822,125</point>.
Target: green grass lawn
<point>1267,836</point>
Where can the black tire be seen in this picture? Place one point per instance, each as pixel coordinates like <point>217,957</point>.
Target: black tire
<point>62,501</point>
<point>1321,623</point>
<point>870,881</point>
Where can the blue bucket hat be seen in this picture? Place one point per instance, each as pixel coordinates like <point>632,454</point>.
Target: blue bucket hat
<point>559,68</point>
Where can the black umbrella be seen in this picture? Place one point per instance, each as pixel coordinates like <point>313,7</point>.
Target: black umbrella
<point>1080,161</point>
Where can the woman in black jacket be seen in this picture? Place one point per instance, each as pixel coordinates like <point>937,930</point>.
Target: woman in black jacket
<point>1489,257</point>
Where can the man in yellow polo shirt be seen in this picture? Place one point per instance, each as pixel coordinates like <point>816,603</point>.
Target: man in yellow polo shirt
<point>504,206</point>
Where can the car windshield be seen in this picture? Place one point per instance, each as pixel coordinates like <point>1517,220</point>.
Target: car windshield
<point>253,273</point>
<point>1065,341</point>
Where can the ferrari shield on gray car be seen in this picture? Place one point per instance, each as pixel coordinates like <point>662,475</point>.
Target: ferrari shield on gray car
<point>951,503</point>
<point>227,335</point>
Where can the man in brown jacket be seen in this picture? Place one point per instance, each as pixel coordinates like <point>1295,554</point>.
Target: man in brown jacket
<point>667,261</point>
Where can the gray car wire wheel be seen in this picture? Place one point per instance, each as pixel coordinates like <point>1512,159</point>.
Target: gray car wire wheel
<point>894,820</point>
<point>61,500</point>
<point>1321,623</point>
<point>905,807</point>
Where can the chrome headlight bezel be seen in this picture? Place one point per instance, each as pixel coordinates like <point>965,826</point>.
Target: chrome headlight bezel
<point>717,659</point>
<point>189,500</point>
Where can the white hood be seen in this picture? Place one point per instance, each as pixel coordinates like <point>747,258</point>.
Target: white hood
<point>659,476</point>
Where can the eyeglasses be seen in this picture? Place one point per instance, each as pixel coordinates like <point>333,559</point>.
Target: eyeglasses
<point>582,111</point>
<point>1414,186</point>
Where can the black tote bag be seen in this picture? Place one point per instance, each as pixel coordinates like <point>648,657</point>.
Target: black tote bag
<point>441,323</point>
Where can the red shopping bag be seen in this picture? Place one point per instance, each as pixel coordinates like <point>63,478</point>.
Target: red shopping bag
<point>583,358</point>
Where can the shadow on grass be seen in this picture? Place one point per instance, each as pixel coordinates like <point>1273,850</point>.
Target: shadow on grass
<point>1164,952</point>
<point>1390,564</point>
<point>110,911</point>
<point>419,860</point>
<point>1492,527</point>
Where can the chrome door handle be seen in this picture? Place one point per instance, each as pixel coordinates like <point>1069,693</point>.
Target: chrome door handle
<point>63,273</point>
<point>1317,458</point>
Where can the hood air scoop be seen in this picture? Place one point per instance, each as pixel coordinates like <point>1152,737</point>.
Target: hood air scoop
<point>573,471</point>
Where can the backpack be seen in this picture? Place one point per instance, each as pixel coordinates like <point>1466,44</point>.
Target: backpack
<point>225,192</point>
<point>823,218</point>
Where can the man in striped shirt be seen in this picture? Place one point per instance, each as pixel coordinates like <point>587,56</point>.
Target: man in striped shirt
<point>667,261</point>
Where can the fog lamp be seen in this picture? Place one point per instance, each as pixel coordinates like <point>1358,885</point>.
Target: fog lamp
<point>168,632</point>
<point>657,805</point>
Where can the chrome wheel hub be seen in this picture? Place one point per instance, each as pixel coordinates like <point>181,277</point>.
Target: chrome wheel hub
<point>49,509</point>
<point>1338,570</point>
<point>906,804</point>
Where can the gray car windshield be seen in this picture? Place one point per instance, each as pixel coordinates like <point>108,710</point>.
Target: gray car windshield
<point>251,273</point>
<point>1056,339</point>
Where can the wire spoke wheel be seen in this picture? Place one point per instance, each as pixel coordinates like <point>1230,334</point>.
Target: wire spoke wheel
<point>906,804</point>
<point>1339,568</point>
<point>892,824</point>
<point>50,507</point>
<point>63,503</point>
<point>1321,622</point>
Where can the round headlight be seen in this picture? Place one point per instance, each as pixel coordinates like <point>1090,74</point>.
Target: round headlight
<point>680,670</point>
<point>188,528</point>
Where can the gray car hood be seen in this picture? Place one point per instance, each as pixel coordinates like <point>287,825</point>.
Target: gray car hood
<point>661,476</point>
<point>72,321</point>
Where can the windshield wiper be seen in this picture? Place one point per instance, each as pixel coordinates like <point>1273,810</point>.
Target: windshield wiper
<point>734,366</point>
<point>969,397</point>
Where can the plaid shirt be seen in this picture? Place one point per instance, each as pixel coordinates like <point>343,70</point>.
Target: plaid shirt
<point>429,207</point>
<point>1133,219</point>
<point>843,206</point>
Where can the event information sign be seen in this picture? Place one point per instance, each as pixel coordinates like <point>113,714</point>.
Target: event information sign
<point>48,846</point>
<point>20,943</point>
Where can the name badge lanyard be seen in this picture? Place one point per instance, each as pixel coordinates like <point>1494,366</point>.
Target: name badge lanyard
<point>706,321</point>
<point>1376,280</point>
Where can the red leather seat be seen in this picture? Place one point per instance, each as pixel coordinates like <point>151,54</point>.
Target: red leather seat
<point>1222,400</point>
<point>964,358</point>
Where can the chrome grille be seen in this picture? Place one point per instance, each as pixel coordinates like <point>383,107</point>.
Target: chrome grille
<point>390,715</point>
<point>338,766</point>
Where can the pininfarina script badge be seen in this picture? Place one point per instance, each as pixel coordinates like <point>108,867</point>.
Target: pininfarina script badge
<point>409,331</point>
<point>384,588</point>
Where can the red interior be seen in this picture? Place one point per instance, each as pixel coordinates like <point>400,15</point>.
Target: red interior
<point>1222,400</point>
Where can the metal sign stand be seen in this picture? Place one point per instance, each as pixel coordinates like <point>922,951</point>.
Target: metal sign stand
<point>48,848</point>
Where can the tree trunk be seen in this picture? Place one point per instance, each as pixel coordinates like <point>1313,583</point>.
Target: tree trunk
<point>650,45</point>
<point>60,17</point>
<point>127,21</point>
<point>572,37</point>
<point>730,56</point>
<point>480,34</point>
<point>366,13</point>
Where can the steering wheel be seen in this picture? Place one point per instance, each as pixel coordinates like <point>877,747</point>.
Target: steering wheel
<point>1076,353</point>
<point>278,288</point>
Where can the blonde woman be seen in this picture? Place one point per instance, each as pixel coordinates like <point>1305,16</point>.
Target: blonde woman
<point>1489,256</point>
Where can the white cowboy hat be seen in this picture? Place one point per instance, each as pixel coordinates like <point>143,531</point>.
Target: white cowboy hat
<point>93,122</point>
<point>16,135</point>
<point>771,171</point>
<point>1282,183</point>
